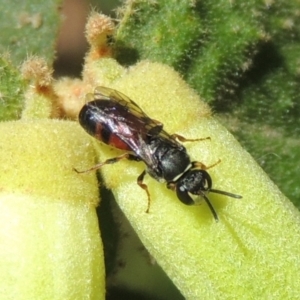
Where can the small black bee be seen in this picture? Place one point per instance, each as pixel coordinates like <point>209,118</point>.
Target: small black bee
<point>116,120</point>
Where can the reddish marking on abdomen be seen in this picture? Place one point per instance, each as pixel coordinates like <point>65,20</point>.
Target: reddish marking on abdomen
<point>116,142</point>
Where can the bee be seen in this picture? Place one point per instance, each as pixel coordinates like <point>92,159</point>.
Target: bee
<point>116,120</point>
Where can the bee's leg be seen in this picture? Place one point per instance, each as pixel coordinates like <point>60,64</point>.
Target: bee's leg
<point>144,187</point>
<point>183,139</point>
<point>200,165</point>
<point>110,161</point>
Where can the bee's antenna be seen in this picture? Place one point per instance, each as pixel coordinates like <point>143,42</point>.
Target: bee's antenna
<point>225,193</point>
<point>218,192</point>
<point>213,211</point>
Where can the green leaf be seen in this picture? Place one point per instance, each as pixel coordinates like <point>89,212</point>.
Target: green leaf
<point>11,91</point>
<point>205,41</point>
<point>235,258</point>
<point>28,27</point>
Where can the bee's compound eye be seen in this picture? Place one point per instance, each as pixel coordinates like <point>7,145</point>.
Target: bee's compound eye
<point>182,189</point>
<point>183,195</point>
